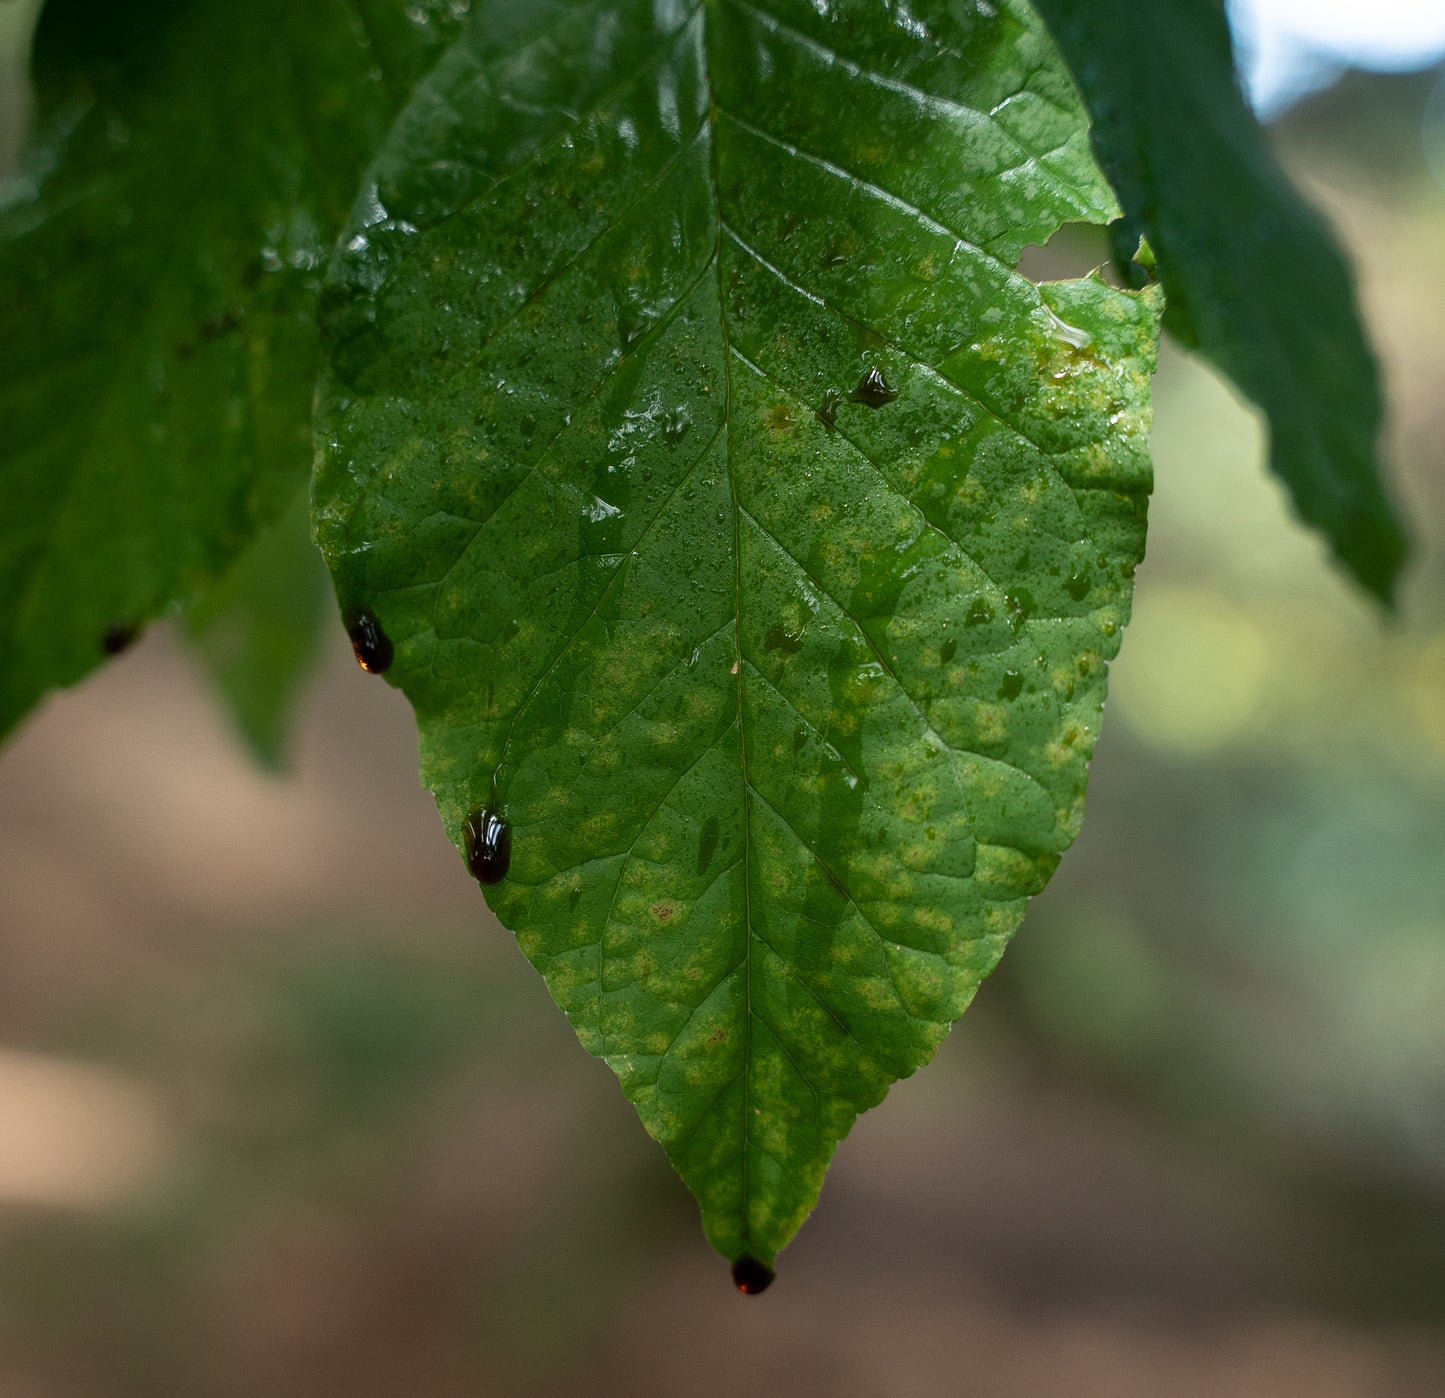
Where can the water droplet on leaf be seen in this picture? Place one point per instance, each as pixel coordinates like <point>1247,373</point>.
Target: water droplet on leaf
<point>1073,335</point>
<point>873,390</point>
<point>600,510</point>
<point>675,424</point>
<point>633,323</point>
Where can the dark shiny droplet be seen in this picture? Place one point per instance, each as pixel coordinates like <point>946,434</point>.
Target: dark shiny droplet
<point>947,650</point>
<point>751,1276</point>
<point>828,413</point>
<point>1078,586</point>
<point>371,644</point>
<point>488,839</point>
<point>1012,686</point>
<point>873,390</point>
<point>118,638</point>
<point>633,323</point>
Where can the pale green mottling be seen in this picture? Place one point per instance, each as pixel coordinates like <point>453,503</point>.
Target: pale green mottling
<point>786,697</point>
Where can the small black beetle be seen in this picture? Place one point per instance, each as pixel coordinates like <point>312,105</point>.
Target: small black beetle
<point>488,839</point>
<point>371,644</point>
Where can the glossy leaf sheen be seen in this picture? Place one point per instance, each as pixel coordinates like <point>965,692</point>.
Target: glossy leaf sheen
<point>1255,280</point>
<point>751,537</point>
<point>160,253</point>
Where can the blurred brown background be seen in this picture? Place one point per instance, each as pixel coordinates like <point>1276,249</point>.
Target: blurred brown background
<point>283,1110</point>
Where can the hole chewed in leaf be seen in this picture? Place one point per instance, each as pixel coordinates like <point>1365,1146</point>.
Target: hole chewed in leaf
<point>1075,251</point>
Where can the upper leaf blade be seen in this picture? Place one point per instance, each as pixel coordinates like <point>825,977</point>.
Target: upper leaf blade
<point>160,253</point>
<point>1255,280</point>
<point>747,530</point>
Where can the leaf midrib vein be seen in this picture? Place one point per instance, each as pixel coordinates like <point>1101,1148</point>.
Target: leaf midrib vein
<point>716,191</point>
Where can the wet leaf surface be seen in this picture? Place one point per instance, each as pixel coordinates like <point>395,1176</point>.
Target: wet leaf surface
<point>752,539</point>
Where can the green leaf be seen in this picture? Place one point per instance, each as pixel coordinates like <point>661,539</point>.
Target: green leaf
<point>17,25</point>
<point>255,629</point>
<point>749,534</point>
<point>1255,280</point>
<point>160,251</point>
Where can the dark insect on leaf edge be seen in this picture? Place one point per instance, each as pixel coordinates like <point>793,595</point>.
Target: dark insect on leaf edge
<point>488,841</point>
<point>372,646</point>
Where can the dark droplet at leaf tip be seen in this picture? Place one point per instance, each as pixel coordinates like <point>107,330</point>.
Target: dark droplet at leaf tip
<point>371,644</point>
<point>488,841</point>
<point>751,1276</point>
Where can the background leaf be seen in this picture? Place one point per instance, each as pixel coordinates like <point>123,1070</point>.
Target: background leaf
<point>159,264</point>
<point>1255,281</point>
<point>748,532</point>
<point>255,629</point>
<point>17,25</point>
